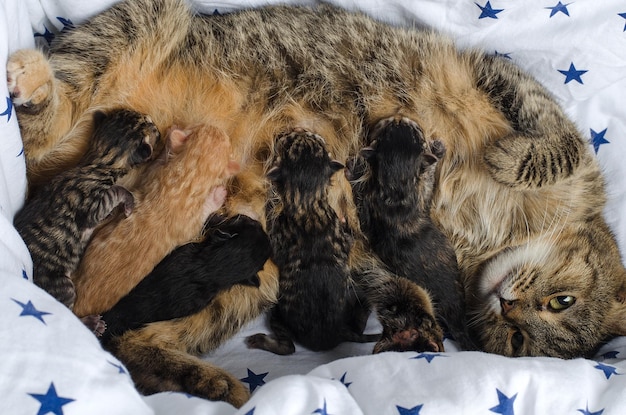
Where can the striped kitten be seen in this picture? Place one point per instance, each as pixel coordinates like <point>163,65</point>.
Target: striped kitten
<point>59,218</point>
<point>311,246</point>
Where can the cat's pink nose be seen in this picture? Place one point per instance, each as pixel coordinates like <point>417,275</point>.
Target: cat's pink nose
<point>507,305</point>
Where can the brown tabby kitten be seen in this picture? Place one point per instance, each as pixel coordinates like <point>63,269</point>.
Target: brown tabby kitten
<point>59,218</point>
<point>518,176</point>
<point>311,246</point>
<point>393,181</point>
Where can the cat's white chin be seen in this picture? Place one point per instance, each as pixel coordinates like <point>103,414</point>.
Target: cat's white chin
<point>504,266</point>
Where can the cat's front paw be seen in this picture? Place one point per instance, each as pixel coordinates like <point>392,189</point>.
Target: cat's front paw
<point>29,78</point>
<point>423,335</point>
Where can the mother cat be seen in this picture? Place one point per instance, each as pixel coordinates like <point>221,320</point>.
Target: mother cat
<point>519,193</point>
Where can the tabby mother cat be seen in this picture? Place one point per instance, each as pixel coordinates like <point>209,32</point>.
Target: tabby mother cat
<point>519,193</point>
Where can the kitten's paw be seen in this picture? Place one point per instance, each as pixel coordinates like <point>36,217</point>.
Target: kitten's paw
<point>95,324</point>
<point>215,200</point>
<point>29,78</point>
<point>421,336</point>
<point>264,342</point>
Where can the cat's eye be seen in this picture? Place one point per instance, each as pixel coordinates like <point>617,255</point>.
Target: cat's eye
<point>561,302</point>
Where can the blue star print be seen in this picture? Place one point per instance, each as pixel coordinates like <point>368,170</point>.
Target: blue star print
<point>560,7</point>
<point>29,309</point>
<point>251,411</point>
<point>610,355</point>
<point>413,411</point>
<point>504,55</point>
<point>254,380</point>
<point>67,24</point>
<point>343,380</point>
<point>608,370</point>
<point>505,407</point>
<point>120,368</point>
<point>322,411</point>
<point>48,35</point>
<point>586,411</point>
<point>572,74</point>
<point>24,274</point>
<point>9,109</point>
<point>624,16</point>
<point>51,402</point>
<point>597,139</point>
<point>488,11</point>
<point>428,356</point>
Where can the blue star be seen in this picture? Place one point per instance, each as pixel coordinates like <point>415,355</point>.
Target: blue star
<point>572,74</point>
<point>505,407</point>
<point>597,139</point>
<point>254,380</point>
<point>216,13</point>
<point>51,402</point>
<point>321,411</point>
<point>504,55</point>
<point>29,309</point>
<point>560,7</point>
<point>612,354</point>
<point>587,412</point>
<point>251,411</point>
<point>343,380</point>
<point>24,274</point>
<point>48,35</point>
<point>608,370</point>
<point>487,11</point>
<point>120,368</point>
<point>413,411</point>
<point>428,356</point>
<point>9,109</point>
<point>67,24</point>
<point>624,16</point>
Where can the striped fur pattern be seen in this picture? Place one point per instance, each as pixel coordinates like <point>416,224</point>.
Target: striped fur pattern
<point>517,175</point>
<point>59,218</point>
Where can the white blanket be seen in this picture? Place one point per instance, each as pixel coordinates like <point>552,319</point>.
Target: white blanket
<point>52,364</point>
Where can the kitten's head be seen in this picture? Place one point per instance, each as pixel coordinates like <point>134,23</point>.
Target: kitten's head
<point>562,297</point>
<point>122,138</point>
<point>302,164</point>
<point>401,163</point>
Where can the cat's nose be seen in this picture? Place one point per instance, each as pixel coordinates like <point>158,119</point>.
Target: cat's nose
<point>507,305</point>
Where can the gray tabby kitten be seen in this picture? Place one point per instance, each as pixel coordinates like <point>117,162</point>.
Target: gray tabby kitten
<point>59,217</point>
<point>317,302</point>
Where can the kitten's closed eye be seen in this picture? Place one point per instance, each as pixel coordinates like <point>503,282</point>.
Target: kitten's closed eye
<point>143,153</point>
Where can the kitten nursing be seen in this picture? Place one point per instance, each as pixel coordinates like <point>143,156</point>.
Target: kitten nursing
<point>519,194</point>
<point>59,217</point>
<point>317,304</point>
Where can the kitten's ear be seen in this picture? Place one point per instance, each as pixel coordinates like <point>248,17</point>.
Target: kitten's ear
<point>367,152</point>
<point>274,174</point>
<point>616,318</point>
<point>98,117</point>
<point>429,159</point>
<point>438,148</point>
<point>176,138</point>
<point>336,165</point>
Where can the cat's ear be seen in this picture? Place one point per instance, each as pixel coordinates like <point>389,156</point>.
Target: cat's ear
<point>336,165</point>
<point>368,152</point>
<point>437,148</point>
<point>616,318</point>
<point>176,139</point>
<point>98,117</point>
<point>274,174</point>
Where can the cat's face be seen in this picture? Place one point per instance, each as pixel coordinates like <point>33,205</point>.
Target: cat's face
<point>559,297</point>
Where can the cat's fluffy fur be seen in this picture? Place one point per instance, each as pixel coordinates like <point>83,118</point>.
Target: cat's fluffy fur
<point>519,193</point>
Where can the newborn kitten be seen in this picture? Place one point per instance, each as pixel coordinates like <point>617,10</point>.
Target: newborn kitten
<point>393,183</point>
<point>58,219</point>
<point>311,246</point>
<point>232,252</point>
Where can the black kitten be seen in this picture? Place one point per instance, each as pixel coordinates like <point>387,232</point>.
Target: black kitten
<point>233,251</point>
<point>58,219</point>
<point>393,182</point>
<point>311,246</point>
